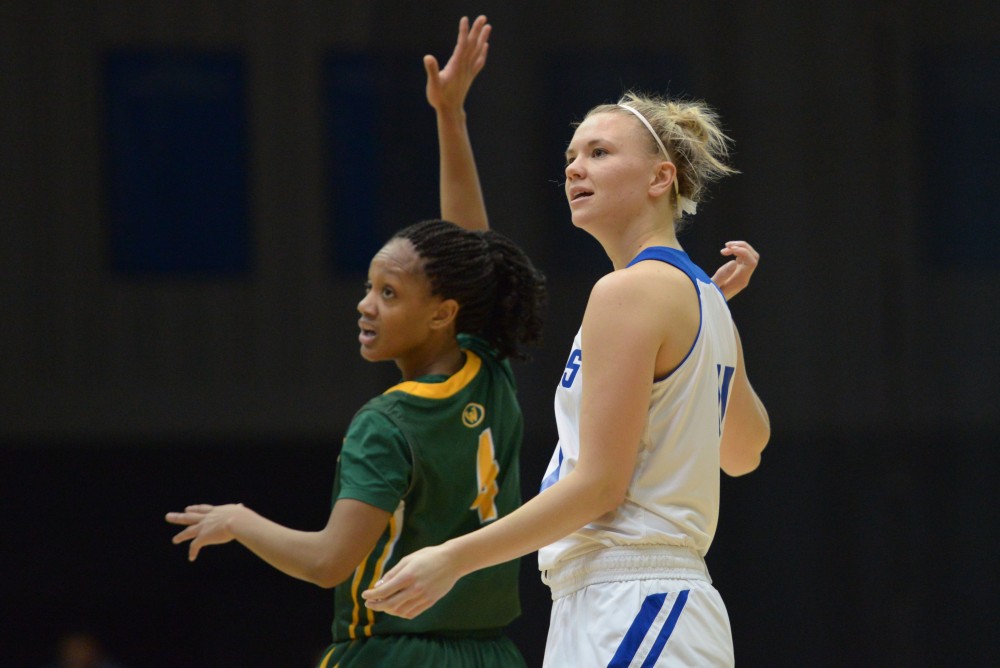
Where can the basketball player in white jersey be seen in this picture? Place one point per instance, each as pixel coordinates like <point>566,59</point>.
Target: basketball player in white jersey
<point>653,401</point>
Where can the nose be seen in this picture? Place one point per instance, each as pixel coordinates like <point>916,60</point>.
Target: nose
<point>365,306</point>
<point>574,169</point>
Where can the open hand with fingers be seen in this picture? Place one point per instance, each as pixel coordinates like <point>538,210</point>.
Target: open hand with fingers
<point>206,525</point>
<point>416,583</point>
<point>735,275</point>
<point>447,88</point>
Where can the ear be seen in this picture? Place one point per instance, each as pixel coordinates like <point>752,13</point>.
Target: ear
<point>662,181</point>
<point>444,314</point>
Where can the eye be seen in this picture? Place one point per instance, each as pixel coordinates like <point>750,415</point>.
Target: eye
<point>367,287</point>
<point>388,292</point>
<point>598,152</point>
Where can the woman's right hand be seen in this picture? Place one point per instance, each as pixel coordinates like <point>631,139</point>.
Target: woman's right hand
<point>447,88</point>
<point>416,583</point>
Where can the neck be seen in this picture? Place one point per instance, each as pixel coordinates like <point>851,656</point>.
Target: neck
<point>443,358</point>
<point>623,247</point>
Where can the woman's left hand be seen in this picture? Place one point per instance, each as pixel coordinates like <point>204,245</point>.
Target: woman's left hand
<point>413,585</point>
<point>735,275</point>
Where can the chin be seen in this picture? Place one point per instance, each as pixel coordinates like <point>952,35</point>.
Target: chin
<point>583,223</point>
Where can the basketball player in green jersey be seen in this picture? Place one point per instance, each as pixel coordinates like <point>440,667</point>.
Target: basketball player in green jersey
<point>433,457</point>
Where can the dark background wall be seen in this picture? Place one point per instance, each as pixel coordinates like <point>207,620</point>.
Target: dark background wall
<point>134,380</point>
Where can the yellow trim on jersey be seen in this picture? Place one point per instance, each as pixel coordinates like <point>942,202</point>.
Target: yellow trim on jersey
<point>446,389</point>
<point>395,529</point>
<point>355,584</point>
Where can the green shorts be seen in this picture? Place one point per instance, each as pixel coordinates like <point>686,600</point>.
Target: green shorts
<point>404,651</point>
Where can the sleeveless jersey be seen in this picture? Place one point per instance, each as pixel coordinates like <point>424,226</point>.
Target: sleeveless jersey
<point>673,498</point>
<point>442,457</point>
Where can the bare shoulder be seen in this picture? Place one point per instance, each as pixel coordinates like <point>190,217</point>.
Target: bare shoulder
<point>649,296</point>
<point>650,309</point>
<point>655,285</point>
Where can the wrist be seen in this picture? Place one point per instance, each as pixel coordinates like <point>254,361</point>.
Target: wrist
<point>457,553</point>
<point>236,519</point>
<point>451,115</point>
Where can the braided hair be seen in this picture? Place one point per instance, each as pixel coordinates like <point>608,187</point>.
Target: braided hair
<point>501,296</point>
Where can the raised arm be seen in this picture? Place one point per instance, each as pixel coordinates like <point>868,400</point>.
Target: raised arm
<point>461,194</point>
<point>325,558</point>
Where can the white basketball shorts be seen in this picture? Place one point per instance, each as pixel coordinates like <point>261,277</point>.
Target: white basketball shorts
<point>636,608</point>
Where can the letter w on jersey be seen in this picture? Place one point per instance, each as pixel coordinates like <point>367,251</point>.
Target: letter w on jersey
<point>725,375</point>
<point>487,470</point>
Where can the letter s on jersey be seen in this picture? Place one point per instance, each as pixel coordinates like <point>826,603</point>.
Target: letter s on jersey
<point>572,367</point>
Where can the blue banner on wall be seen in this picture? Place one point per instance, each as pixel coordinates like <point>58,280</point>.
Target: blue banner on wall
<point>177,183</point>
<point>382,152</point>
<point>958,113</point>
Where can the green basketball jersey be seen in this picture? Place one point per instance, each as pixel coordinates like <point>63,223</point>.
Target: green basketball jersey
<point>441,455</point>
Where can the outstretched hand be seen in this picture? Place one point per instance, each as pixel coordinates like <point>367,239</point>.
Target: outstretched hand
<point>206,525</point>
<point>447,88</point>
<point>735,275</point>
<point>416,583</point>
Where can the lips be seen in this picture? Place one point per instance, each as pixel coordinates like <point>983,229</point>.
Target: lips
<point>367,334</point>
<point>577,194</point>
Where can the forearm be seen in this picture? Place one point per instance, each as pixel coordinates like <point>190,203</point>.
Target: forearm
<point>461,194</point>
<point>299,554</point>
<point>557,512</point>
<point>747,432</point>
<point>748,426</point>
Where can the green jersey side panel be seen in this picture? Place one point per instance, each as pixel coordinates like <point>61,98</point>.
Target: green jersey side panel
<point>443,458</point>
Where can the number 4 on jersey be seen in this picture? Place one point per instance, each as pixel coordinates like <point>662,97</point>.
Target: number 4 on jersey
<point>487,470</point>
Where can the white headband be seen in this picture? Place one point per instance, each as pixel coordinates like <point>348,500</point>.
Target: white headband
<point>685,205</point>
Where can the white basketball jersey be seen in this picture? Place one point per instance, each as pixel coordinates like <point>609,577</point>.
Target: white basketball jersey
<point>673,498</point>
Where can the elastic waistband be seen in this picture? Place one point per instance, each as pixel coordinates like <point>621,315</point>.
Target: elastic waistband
<point>625,563</point>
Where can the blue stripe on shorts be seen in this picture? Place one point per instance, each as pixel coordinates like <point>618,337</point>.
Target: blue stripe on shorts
<point>640,627</point>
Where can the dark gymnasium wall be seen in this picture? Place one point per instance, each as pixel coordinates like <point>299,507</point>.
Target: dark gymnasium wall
<point>190,194</point>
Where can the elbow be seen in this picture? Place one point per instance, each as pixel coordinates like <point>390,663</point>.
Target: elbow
<point>328,574</point>
<point>740,461</point>
<point>607,505</point>
<point>595,494</point>
<point>327,582</point>
<point>741,468</point>
<point>608,498</point>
